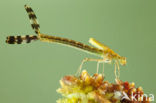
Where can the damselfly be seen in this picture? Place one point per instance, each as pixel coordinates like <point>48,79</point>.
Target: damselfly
<point>107,55</point>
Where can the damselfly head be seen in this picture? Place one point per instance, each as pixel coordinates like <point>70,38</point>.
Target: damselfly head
<point>123,60</point>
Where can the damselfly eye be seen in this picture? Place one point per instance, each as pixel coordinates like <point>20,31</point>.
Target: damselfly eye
<point>123,61</point>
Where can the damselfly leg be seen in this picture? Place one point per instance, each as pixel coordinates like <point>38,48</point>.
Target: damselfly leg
<point>90,59</point>
<point>117,70</point>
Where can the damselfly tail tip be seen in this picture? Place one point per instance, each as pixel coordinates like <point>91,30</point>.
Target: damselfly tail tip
<point>20,39</point>
<point>28,9</point>
<point>10,40</point>
<point>14,40</point>
<point>26,6</point>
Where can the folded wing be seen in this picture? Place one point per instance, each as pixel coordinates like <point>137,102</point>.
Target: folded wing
<point>97,44</point>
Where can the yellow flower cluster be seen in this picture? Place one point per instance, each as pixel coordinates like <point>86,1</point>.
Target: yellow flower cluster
<point>93,89</point>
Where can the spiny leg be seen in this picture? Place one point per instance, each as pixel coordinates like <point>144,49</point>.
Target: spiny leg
<point>85,60</point>
<point>98,63</point>
<point>33,19</point>
<point>97,69</point>
<point>21,39</point>
<point>115,72</point>
<point>117,75</point>
<point>80,67</point>
<point>118,69</point>
<point>103,69</point>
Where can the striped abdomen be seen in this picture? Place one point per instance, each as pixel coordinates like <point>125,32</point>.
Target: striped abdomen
<point>20,39</point>
<point>33,19</point>
<point>47,38</point>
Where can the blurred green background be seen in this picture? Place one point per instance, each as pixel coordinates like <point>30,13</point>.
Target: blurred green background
<point>30,73</point>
